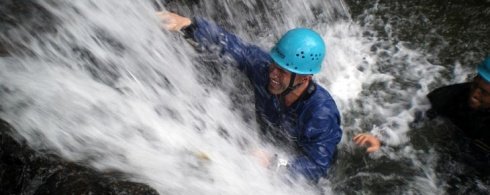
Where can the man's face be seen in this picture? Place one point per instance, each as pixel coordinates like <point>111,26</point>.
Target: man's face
<point>479,94</point>
<point>278,79</point>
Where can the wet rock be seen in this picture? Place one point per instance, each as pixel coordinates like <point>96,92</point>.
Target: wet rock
<point>455,30</point>
<point>77,180</point>
<point>26,171</point>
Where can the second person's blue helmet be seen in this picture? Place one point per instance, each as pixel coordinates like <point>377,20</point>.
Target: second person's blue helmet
<point>300,51</point>
<point>484,69</point>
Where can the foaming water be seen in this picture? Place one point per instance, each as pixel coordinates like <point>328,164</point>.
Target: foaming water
<point>107,87</point>
<point>380,87</point>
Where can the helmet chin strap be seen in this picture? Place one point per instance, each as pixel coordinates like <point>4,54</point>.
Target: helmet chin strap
<point>290,88</point>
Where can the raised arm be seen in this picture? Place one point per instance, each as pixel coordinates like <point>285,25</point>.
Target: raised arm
<point>214,38</point>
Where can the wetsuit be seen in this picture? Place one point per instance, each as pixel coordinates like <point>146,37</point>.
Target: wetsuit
<point>452,102</point>
<point>311,124</point>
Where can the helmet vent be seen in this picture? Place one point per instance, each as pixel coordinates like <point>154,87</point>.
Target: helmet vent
<point>301,53</point>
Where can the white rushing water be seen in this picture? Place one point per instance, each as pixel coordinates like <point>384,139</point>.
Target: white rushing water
<point>109,88</point>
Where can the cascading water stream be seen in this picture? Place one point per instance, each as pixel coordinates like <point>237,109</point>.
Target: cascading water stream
<point>107,87</point>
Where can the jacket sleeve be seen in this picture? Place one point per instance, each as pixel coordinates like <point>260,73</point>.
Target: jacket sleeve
<point>321,136</point>
<point>213,38</point>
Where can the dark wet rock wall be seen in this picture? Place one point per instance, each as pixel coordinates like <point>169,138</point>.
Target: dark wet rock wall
<point>449,30</point>
<point>26,171</point>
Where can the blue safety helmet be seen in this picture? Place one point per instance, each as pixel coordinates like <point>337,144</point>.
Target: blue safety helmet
<point>299,51</point>
<point>484,69</point>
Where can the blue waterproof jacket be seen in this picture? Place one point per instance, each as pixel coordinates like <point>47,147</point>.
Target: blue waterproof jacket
<point>311,124</point>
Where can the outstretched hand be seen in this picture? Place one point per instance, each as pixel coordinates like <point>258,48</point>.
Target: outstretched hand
<point>365,139</point>
<point>172,21</point>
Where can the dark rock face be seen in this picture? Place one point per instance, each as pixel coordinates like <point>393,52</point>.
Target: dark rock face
<point>25,171</point>
<point>450,30</point>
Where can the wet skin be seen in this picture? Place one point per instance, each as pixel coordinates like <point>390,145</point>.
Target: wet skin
<point>479,97</point>
<point>278,79</point>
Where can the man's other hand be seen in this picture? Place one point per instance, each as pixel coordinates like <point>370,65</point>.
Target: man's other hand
<point>365,139</point>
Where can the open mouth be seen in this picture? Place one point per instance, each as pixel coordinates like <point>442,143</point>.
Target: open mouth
<point>274,83</point>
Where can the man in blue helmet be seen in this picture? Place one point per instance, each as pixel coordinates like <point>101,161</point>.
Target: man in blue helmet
<point>292,108</point>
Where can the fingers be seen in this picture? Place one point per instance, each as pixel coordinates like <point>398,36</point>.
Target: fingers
<point>172,21</point>
<point>369,140</point>
<point>164,16</point>
<point>171,27</point>
<point>162,13</point>
<point>360,139</point>
<point>168,21</point>
<point>202,156</point>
